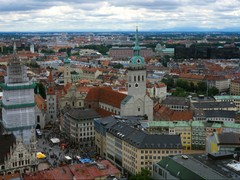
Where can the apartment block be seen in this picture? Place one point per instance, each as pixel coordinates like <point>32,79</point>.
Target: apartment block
<point>130,147</point>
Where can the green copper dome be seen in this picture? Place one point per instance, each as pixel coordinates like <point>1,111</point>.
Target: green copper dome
<point>67,60</point>
<point>137,60</point>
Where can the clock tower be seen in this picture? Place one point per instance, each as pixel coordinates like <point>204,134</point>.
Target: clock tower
<point>137,102</point>
<point>137,72</point>
<point>51,100</point>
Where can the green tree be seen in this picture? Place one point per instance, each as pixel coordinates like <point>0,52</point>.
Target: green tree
<point>144,174</point>
<point>182,84</point>
<point>41,90</point>
<point>213,91</point>
<point>118,66</point>
<point>192,87</point>
<point>180,92</point>
<point>47,51</point>
<point>201,87</point>
<point>169,81</point>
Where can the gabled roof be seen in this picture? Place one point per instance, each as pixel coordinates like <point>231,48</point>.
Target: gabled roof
<point>105,95</point>
<point>137,137</point>
<point>165,113</point>
<point>40,102</point>
<point>82,114</point>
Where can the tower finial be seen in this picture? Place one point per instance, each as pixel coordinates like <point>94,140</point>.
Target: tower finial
<point>14,47</point>
<point>136,41</point>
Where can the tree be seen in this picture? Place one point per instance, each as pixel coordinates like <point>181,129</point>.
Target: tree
<point>144,174</point>
<point>118,66</point>
<point>180,92</point>
<point>40,87</point>
<point>192,87</point>
<point>213,91</point>
<point>169,82</point>
<point>182,84</point>
<point>201,87</point>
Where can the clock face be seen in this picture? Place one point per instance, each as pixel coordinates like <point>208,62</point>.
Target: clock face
<point>138,61</point>
<point>136,85</point>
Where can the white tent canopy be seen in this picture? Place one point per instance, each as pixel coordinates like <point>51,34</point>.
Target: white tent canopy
<point>55,140</point>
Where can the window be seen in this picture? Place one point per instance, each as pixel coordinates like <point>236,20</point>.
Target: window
<point>20,155</point>
<point>138,109</point>
<point>135,78</point>
<point>138,78</point>
<point>38,119</point>
<point>142,78</point>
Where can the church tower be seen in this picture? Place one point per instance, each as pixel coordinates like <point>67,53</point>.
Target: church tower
<point>137,103</point>
<point>18,103</point>
<point>137,72</point>
<point>51,100</point>
<point>67,71</point>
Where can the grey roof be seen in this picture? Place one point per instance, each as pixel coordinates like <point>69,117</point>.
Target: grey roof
<point>198,113</point>
<point>229,139</point>
<point>220,113</point>
<point>195,167</point>
<point>213,104</point>
<point>81,114</point>
<point>171,100</point>
<point>6,141</point>
<point>137,137</point>
<point>126,99</point>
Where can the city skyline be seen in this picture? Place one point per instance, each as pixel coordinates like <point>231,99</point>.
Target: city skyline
<point>115,15</point>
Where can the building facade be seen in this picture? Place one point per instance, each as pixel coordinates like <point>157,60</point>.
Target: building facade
<point>137,102</point>
<point>78,124</point>
<point>51,116</point>
<point>67,71</point>
<point>235,87</point>
<point>18,120</point>
<point>129,147</point>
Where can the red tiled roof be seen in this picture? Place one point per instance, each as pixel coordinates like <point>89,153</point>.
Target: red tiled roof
<point>50,77</point>
<point>167,114</point>
<point>40,102</point>
<point>105,95</point>
<point>77,171</point>
<point>191,76</point>
<point>104,113</point>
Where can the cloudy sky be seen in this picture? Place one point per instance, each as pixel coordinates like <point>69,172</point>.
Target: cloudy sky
<point>111,15</point>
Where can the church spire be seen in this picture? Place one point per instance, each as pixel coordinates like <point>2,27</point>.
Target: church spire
<point>136,48</point>
<point>137,61</point>
<point>50,77</point>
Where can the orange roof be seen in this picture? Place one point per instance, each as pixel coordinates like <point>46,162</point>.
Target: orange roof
<point>84,89</point>
<point>167,114</point>
<point>77,171</point>
<point>182,116</point>
<point>50,77</point>
<point>191,76</point>
<point>104,113</point>
<point>215,78</point>
<point>105,95</point>
<point>40,102</point>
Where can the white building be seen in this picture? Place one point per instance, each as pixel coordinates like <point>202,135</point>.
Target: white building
<point>18,119</point>
<point>137,102</point>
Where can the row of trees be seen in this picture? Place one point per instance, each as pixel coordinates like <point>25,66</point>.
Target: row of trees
<point>184,87</point>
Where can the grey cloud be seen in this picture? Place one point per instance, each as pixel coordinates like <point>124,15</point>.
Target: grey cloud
<point>157,4</point>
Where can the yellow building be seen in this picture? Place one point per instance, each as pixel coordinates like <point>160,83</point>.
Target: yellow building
<point>182,128</point>
<point>235,87</point>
